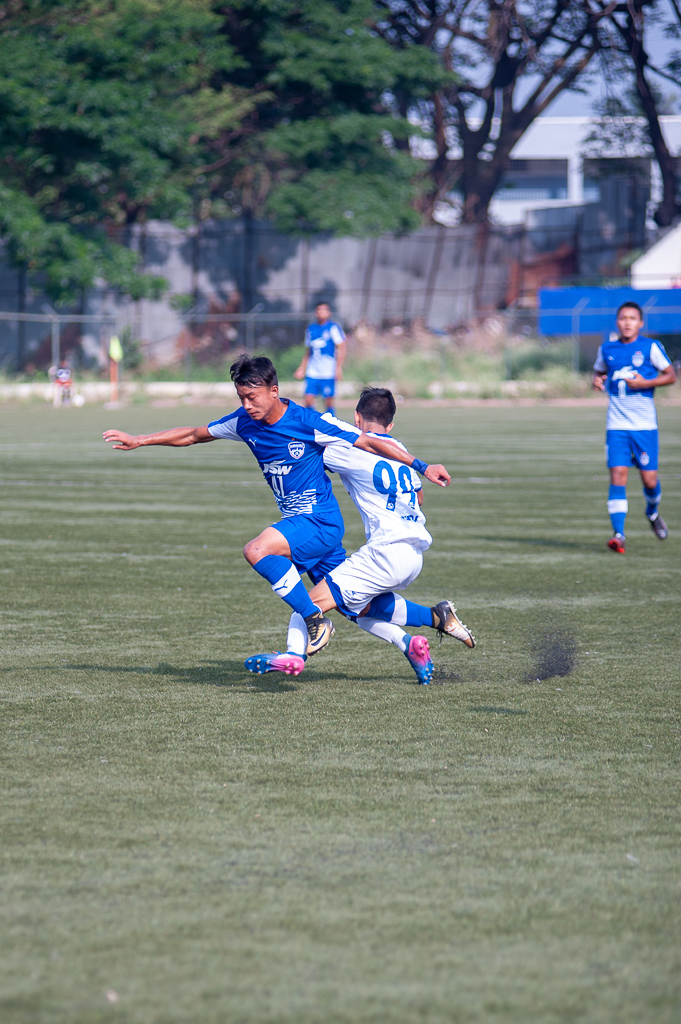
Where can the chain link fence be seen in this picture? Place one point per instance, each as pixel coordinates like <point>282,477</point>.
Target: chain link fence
<point>473,356</point>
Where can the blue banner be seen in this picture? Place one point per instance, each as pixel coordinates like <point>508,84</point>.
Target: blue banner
<point>593,310</point>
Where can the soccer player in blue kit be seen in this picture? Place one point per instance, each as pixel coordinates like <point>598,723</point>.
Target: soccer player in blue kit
<point>322,364</point>
<point>388,497</point>
<point>288,443</point>
<point>629,369</point>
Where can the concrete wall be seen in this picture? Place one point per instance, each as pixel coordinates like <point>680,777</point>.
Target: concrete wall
<point>441,275</point>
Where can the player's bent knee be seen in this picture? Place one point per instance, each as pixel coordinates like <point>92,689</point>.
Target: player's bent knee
<point>269,542</point>
<point>253,552</point>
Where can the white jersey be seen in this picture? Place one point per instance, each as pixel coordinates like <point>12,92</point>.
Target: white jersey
<point>383,491</point>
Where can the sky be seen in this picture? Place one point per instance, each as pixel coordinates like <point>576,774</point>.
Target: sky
<point>581,104</point>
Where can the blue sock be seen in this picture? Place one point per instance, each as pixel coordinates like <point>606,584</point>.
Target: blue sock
<point>393,608</point>
<point>653,496</point>
<point>285,580</point>
<point>618,506</point>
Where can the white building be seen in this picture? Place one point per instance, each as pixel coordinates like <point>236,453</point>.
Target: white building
<point>551,168</point>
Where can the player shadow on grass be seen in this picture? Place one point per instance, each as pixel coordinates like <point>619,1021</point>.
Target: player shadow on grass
<point>399,675</point>
<point>490,710</point>
<point>541,542</point>
<point>228,674</point>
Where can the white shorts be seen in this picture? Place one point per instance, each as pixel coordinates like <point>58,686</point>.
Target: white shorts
<point>372,571</point>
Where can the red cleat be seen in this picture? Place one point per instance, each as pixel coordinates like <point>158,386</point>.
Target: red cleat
<point>618,544</point>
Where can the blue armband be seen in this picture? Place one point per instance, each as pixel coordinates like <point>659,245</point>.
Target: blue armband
<point>419,466</point>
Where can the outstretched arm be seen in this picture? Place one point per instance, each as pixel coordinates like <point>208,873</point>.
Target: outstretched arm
<point>176,437</point>
<point>437,474</point>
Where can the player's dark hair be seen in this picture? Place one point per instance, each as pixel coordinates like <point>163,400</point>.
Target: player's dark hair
<point>631,305</point>
<point>377,404</point>
<point>253,372</point>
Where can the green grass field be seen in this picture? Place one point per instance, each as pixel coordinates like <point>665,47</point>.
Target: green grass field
<point>184,842</point>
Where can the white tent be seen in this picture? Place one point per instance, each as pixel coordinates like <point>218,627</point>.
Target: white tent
<point>660,267</point>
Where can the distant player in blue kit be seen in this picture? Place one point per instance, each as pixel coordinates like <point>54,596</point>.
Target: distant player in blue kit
<point>629,369</point>
<point>288,443</point>
<point>322,364</point>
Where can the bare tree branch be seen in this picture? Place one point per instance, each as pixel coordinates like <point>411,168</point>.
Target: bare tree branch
<point>631,31</point>
<point>491,47</point>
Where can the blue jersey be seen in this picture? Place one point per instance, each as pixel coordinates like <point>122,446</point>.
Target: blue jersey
<point>290,454</point>
<point>322,339</point>
<point>629,408</point>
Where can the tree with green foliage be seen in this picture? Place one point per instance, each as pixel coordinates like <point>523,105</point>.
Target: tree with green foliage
<point>100,106</point>
<point>116,112</point>
<point>323,148</point>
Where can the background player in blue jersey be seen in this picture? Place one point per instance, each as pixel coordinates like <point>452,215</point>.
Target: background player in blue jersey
<point>322,364</point>
<point>288,443</point>
<point>629,369</point>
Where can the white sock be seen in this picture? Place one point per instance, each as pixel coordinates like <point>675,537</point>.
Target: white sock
<point>296,640</point>
<point>387,631</point>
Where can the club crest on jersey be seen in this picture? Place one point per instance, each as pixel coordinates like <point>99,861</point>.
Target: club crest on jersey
<point>637,359</point>
<point>297,449</point>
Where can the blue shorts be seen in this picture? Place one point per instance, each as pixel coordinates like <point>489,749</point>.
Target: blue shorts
<point>315,543</point>
<point>314,386</point>
<point>631,448</point>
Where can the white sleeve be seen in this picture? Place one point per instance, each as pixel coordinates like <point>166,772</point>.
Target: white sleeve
<point>658,357</point>
<point>337,335</point>
<point>600,365</point>
<point>337,456</point>
<point>338,429</point>
<point>225,428</point>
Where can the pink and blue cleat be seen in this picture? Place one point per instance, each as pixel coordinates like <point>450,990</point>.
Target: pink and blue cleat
<point>289,664</point>
<point>418,656</point>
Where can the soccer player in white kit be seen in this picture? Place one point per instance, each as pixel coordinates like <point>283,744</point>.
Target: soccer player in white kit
<point>388,496</point>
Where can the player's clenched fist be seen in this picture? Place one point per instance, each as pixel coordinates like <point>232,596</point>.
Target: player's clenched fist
<point>438,475</point>
<point>122,440</point>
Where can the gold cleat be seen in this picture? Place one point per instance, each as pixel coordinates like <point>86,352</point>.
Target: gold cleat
<point>445,620</point>
<point>319,632</point>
